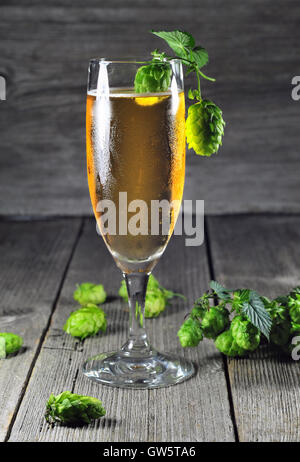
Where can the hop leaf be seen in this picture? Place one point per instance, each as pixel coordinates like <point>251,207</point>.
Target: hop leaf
<point>204,128</point>
<point>190,333</point>
<point>10,343</point>
<point>220,291</point>
<point>200,56</point>
<point>90,293</point>
<point>86,322</point>
<point>256,312</point>
<point>70,409</point>
<point>153,78</point>
<point>181,42</point>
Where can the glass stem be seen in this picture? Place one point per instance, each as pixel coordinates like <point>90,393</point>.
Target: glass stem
<point>137,345</point>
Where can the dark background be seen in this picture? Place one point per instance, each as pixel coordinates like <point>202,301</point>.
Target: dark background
<point>254,53</point>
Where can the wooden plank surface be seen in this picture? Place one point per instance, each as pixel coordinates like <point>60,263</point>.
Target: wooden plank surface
<point>45,49</point>
<point>34,257</point>
<point>262,253</point>
<point>197,410</point>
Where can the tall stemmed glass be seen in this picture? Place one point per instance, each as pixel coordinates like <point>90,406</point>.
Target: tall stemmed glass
<point>135,158</point>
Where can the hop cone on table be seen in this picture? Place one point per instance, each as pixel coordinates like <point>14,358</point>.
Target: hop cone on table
<point>90,293</point>
<point>86,322</point>
<point>71,409</point>
<point>204,128</point>
<point>152,78</point>
<point>9,343</point>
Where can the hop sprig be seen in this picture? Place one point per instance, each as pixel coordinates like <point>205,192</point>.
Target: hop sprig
<point>255,318</point>
<point>204,128</point>
<point>204,124</point>
<point>233,338</point>
<point>71,409</point>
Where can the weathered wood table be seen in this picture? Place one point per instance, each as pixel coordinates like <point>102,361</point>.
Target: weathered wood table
<point>251,399</point>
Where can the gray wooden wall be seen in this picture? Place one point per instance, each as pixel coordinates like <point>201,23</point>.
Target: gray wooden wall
<point>44,50</point>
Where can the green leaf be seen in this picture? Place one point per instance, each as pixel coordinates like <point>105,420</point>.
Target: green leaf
<point>200,56</point>
<point>180,42</point>
<point>244,295</point>
<point>257,314</point>
<point>221,292</point>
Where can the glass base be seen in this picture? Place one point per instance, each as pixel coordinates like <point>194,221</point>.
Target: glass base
<point>155,371</point>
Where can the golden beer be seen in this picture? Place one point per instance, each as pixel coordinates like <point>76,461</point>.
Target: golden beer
<point>136,145</point>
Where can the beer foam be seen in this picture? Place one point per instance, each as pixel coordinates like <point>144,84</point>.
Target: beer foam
<point>130,93</point>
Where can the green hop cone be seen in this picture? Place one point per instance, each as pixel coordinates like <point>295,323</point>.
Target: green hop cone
<point>294,305</point>
<point>227,345</point>
<point>204,128</point>
<point>190,333</point>
<point>153,78</point>
<point>86,322</point>
<point>90,293</point>
<point>215,321</point>
<point>10,343</point>
<point>246,335</point>
<point>155,303</point>
<point>70,409</point>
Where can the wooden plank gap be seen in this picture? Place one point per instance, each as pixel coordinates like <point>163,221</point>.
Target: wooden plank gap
<point>225,362</point>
